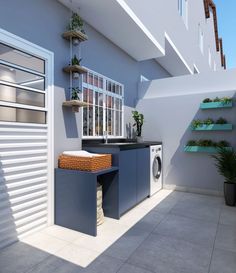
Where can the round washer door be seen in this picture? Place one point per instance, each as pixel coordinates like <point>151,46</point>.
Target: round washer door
<point>156,167</point>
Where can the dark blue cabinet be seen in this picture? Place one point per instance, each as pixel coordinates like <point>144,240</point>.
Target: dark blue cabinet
<point>127,180</point>
<point>143,174</point>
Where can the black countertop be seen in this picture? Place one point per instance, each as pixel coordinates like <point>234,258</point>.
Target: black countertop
<point>119,144</point>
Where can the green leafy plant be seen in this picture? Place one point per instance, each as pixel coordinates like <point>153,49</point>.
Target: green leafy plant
<point>225,161</point>
<point>75,93</point>
<point>192,143</point>
<point>139,119</point>
<point>223,143</point>
<point>226,100</point>
<point>217,99</point>
<point>208,121</point>
<point>196,123</point>
<point>207,100</point>
<point>76,23</point>
<point>75,60</point>
<point>205,143</point>
<point>221,121</point>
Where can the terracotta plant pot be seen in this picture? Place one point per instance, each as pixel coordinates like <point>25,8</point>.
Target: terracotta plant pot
<point>230,193</point>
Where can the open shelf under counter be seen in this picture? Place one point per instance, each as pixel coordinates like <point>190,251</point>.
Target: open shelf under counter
<point>75,34</point>
<point>75,68</point>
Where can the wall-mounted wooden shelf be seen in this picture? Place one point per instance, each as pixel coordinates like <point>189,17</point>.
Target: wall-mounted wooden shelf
<point>75,104</point>
<point>75,34</point>
<point>214,127</point>
<point>214,105</point>
<point>75,68</point>
<point>200,149</point>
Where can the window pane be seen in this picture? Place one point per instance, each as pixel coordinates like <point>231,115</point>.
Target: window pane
<point>101,121</point>
<point>91,121</point>
<point>85,121</point>
<point>18,95</point>
<point>96,121</point>
<point>117,123</point>
<point>14,56</point>
<point>17,76</point>
<point>100,82</point>
<point>90,93</point>
<point>22,115</point>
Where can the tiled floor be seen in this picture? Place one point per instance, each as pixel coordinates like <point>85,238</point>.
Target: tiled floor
<point>172,232</point>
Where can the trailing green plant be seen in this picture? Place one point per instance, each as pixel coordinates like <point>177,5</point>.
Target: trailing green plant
<point>208,121</point>
<point>221,121</point>
<point>225,161</point>
<point>207,100</point>
<point>192,143</point>
<point>76,23</point>
<point>139,119</point>
<point>196,123</point>
<point>75,60</point>
<point>75,93</point>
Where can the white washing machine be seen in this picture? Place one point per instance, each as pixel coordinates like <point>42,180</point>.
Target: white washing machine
<point>155,169</point>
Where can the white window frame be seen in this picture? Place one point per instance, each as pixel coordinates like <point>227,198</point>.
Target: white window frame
<point>201,39</point>
<point>48,56</point>
<point>104,92</point>
<point>183,11</point>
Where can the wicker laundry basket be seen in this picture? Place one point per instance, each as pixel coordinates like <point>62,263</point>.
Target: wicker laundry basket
<point>83,163</point>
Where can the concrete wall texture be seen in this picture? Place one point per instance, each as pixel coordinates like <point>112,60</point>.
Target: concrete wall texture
<point>42,22</point>
<point>169,106</point>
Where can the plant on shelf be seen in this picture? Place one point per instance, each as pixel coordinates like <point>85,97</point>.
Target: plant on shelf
<point>192,143</point>
<point>76,23</point>
<point>208,121</point>
<point>221,121</point>
<point>217,99</point>
<point>226,100</point>
<point>139,119</point>
<point>207,100</point>
<point>223,143</point>
<point>75,60</point>
<point>206,143</point>
<point>196,123</point>
<point>225,161</point>
<point>75,93</point>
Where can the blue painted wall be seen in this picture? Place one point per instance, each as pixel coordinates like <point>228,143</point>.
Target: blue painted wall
<point>42,22</point>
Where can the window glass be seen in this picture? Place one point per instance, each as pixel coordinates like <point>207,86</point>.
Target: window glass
<point>20,77</point>
<point>20,58</point>
<point>18,95</point>
<point>105,112</point>
<point>12,114</point>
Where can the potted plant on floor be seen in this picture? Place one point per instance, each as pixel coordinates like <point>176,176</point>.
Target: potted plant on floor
<point>139,119</point>
<point>225,161</point>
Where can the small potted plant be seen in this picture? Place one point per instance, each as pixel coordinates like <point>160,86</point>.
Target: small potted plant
<point>75,93</point>
<point>225,161</point>
<point>75,61</point>
<point>139,119</point>
<point>76,24</point>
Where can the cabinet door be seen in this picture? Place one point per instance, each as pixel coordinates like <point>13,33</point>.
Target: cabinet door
<point>143,173</point>
<point>127,180</point>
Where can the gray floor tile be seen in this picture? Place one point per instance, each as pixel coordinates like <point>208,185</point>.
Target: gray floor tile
<point>54,264</point>
<point>204,199</point>
<point>226,238</point>
<point>104,264</point>
<point>127,244</point>
<point>127,268</point>
<point>228,216</point>
<point>197,210</point>
<point>223,261</point>
<point>191,230</point>
<point>150,221</point>
<point>162,254</point>
<point>20,258</point>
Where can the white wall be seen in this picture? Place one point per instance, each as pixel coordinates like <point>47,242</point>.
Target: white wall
<point>169,106</point>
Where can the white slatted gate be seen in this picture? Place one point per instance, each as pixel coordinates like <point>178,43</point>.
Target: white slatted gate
<point>23,176</point>
<point>26,147</point>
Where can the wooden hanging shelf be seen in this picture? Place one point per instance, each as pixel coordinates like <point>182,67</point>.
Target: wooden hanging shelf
<point>75,104</point>
<point>75,34</point>
<point>75,68</point>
